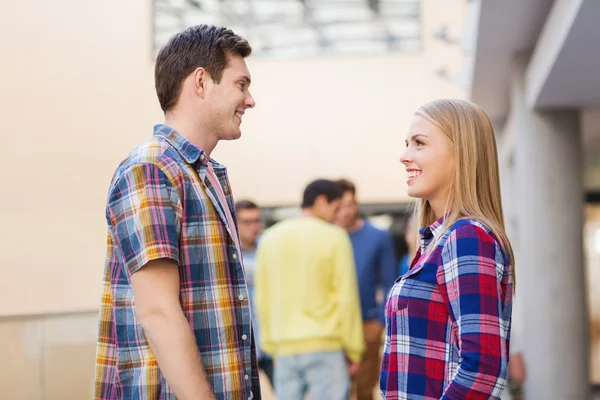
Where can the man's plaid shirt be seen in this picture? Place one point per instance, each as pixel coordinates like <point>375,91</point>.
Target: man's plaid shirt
<point>161,205</point>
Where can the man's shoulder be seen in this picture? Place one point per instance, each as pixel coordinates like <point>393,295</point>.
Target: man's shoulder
<point>154,151</point>
<point>294,226</point>
<point>375,232</point>
<point>279,228</point>
<point>336,231</point>
<point>329,234</point>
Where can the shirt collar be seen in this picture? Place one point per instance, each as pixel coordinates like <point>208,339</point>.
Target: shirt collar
<point>431,231</point>
<point>188,151</point>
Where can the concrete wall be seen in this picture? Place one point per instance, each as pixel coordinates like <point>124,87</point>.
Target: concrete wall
<point>515,138</point>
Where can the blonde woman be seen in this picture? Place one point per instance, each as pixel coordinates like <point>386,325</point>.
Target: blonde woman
<point>448,319</point>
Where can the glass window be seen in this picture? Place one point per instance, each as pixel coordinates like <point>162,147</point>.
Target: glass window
<point>300,28</point>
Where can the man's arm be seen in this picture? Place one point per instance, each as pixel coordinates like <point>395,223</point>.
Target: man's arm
<point>156,292</point>
<point>261,298</point>
<point>346,288</point>
<point>387,268</point>
<point>144,211</point>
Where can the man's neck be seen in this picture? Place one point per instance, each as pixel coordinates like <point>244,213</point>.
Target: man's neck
<point>192,131</point>
<point>356,225</point>
<point>309,212</point>
<point>248,246</point>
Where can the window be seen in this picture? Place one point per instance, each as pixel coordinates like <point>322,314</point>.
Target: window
<point>300,28</point>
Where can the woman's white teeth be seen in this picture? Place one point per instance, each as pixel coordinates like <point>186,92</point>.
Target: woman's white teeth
<point>412,174</point>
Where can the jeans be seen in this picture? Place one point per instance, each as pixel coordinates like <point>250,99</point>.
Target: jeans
<point>323,374</point>
<point>266,365</point>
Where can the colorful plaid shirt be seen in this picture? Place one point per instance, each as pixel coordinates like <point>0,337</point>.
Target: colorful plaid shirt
<point>161,205</point>
<point>448,318</point>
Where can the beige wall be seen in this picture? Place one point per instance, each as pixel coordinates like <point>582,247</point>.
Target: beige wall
<point>52,358</point>
<point>77,94</point>
<point>49,358</point>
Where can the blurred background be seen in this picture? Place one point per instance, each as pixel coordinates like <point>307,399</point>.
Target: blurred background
<point>336,83</point>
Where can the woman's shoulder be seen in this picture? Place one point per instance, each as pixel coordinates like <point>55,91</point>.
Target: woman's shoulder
<point>469,236</point>
<point>470,229</point>
<point>470,226</point>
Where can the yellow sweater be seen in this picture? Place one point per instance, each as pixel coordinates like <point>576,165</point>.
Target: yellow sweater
<point>305,290</point>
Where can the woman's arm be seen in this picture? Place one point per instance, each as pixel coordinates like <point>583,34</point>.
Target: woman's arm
<point>471,286</point>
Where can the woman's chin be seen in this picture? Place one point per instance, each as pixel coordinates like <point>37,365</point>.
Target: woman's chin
<point>411,192</point>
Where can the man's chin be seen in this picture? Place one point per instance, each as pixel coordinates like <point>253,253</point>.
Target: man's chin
<point>233,135</point>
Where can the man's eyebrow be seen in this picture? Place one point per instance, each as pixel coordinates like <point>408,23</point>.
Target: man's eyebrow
<point>245,78</point>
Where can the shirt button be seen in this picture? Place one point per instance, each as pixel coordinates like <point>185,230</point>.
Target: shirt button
<point>244,337</point>
<point>234,256</point>
<point>246,377</point>
<point>241,297</point>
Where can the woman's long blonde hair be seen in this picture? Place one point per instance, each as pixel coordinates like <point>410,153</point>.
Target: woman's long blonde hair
<point>475,190</point>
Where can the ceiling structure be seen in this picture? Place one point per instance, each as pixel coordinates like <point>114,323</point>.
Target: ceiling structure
<point>300,28</point>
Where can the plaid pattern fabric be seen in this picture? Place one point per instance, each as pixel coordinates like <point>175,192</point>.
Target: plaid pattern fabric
<point>161,205</point>
<point>448,319</point>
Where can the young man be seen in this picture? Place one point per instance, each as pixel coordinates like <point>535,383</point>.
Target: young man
<point>307,300</point>
<point>376,271</point>
<point>250,224</point>
<point>175,319</point>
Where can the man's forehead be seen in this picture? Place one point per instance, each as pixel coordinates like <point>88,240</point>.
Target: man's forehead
<point>249,211</point>
<point>237,65</point>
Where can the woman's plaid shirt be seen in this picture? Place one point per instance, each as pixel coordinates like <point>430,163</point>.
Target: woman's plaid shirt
<point>448,319</point>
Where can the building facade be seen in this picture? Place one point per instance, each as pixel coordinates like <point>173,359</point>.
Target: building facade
<point>535,68</point>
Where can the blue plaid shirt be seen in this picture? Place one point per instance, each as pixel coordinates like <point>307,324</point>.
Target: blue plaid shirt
<point>448,319</point>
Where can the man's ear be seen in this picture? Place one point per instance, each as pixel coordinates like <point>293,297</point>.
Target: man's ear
<point>320,200</point>
<point>200,79</point>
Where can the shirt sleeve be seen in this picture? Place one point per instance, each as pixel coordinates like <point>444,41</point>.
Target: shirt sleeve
<point>470,281</point>
<point>144,216</point>
<point>387,268</point>
<point>346,290</point>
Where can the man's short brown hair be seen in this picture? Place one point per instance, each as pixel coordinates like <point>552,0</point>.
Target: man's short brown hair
<point>200,46</point>
<point>245,205</point>
<point>347,186</point>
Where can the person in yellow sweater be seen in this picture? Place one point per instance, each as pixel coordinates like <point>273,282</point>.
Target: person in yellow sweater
<point>307,300</point>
